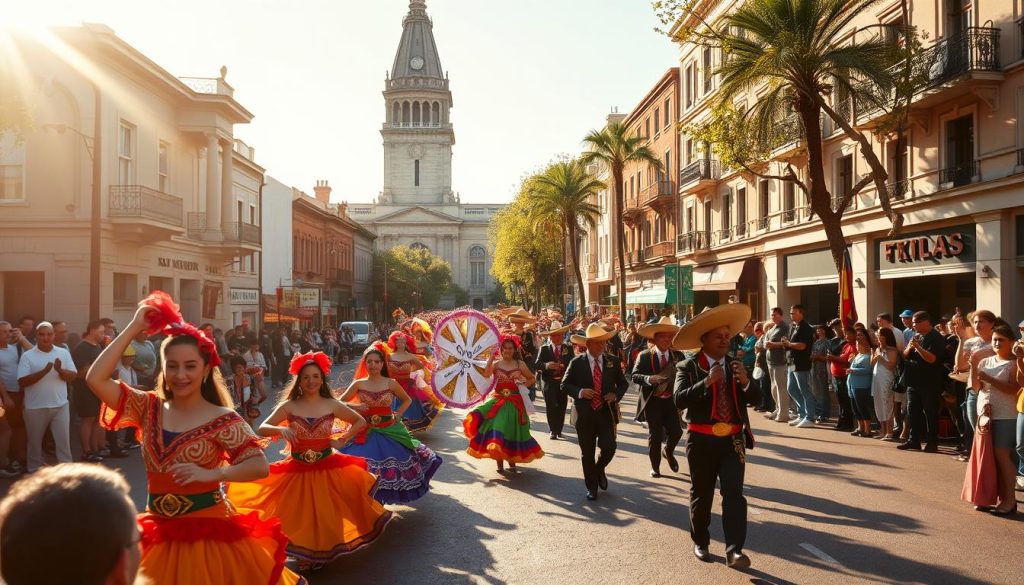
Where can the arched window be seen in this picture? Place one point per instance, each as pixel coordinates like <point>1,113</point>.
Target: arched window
<point>477,252</point>
<point>396,113</point>
<point>406,115</point>
<point>436,117</point>
<point>416,117</point>
<point>477,266</point>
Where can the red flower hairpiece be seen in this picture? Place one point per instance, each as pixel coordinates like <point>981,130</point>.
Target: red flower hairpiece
<point>206,345</point>
<point>300,360</point>
<point>166,311</point>
<point>513,338</point>
<point>410,341</point>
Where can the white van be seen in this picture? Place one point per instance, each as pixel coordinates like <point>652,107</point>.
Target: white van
<point>363,330</point>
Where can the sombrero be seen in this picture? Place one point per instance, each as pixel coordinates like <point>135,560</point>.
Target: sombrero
<point>521,316</point>
<point>594,332</point>
<point>732,315</point>
<point>556,327</point>
<point>664,325</point>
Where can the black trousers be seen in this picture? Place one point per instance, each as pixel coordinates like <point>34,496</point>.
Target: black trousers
<point>845,406</point>
<point>923,411</point>
<point>710,459</point>
<point>767,402</point>
<point>595,429</point>
<point>555,405</point>
<point>662,421</point>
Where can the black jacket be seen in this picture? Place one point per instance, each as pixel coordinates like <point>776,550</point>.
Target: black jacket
<point>692,394</point>
<point>578,376</point>
<point>646,365</point>
<point>547,354</point>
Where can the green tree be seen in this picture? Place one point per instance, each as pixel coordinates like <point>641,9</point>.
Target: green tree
<point>561,196</point>
<point>16,96</point>
<point>800,59</point>
<point>613,147</point>
<point>415,278</point>
<point>523,251</point>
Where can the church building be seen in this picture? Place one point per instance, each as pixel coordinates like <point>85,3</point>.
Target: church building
<point>417,206</point>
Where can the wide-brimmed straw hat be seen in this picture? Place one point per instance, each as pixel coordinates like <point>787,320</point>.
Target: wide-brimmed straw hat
<point>556,328</point>
<point>594,332</point>
<point>521,316</point>
<point>732,315</point>
<point>664,325</point>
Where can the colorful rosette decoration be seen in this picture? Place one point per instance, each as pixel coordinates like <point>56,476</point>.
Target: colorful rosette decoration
<point>463,342</point>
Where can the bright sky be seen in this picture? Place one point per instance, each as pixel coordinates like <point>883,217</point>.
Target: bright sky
<point>529,78</point>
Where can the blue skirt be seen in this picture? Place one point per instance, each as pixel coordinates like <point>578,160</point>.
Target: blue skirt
<point>403,473</point>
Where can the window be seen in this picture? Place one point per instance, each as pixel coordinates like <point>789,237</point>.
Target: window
<point>668,163</point>
<point>126,155</point>
<point>416,173</point>
<point>252,214</point>
<point>726,213</point>
<point>125,293</point>
<point>844,179</point>
<point>708,70</point>
<point>476,273</point>
<point>690,223</point>
<point>741,211</point>
<point>689,150</point>
<point>477,252</point>
<point>762,202</point>
<point>12,169</point>
<point>657,120</point>
<point>897,150</point>
<point>788,201</point>
<point>689,86</point>
<point>647,127</point>
<point>668,112</point>
<point>959,158</point>
<point>161,171</point>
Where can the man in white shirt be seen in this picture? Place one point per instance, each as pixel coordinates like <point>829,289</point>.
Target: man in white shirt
<point>43,374</point>
<point>10,395</point>
<point>256,365</point>
<point>885,320</point>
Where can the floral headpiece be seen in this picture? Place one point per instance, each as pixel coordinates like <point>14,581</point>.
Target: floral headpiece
<point>300,360</point>
<point>398,313</point>
<point>166,318</point>
<point>513,338</point>
<point>361,370</point>
<point>410,342</point>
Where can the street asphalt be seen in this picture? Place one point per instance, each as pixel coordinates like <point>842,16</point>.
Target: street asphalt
<point>824,507</point>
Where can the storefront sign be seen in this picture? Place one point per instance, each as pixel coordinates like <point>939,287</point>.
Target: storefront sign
<point>309,297</point>
<point>178,264</point>
<point>811,268</point>
<point>671,283</point>
<point>942,250</point>
<point>245,296</point>
<point>214,270</point>
<point>686,285</point>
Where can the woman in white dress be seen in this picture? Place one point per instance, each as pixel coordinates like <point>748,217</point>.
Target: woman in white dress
<point>884,361</point>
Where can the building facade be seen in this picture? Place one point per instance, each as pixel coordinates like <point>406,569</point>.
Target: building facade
<point>417,206</point>
<point>129,182</point>
<point>597,246</point>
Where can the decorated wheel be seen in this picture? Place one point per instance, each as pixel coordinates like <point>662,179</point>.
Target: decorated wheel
<point>463,342</point>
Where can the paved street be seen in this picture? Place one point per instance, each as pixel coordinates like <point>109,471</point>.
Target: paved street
<point>821,503</point>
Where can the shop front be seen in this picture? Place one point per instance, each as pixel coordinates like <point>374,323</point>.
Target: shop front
<point>245,304</point>
<point>931,270</point>
<point>714,284</point>
<point>814,283</point>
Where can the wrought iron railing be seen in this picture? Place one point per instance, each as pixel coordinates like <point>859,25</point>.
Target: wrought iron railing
<point>897,189</point>
<point>700,170</point>
<point>960,174</point>
<point>693,241</point>
<point>662,188</point>
<point>975,49</point>
<point>145,203</point>
<point>235,231</point>
<point>659,250</point>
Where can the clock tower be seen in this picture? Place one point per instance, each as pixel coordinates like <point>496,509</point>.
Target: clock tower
<point>417,132</point>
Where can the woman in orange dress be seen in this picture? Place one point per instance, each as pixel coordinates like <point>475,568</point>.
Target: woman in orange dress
<point>323,498</point>
<point>192,441</point>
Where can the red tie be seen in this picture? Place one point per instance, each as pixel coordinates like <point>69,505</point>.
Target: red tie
<point>558,353</point>
<point>595,402</point>
<point>661,361</point>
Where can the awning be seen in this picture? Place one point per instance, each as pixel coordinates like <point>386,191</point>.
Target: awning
<point>647,296</point>
<point>717,277</point>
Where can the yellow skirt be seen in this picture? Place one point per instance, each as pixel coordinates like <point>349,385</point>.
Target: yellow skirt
<point>326,509</point>
<point>214,546</point>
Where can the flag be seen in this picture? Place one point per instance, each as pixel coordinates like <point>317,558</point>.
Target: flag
<point>847,307</point>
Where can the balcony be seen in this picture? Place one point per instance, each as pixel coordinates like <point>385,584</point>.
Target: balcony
<point>340,277</point>
<point>232,239</point>
<point>660,252</point>
<point>698,175</point>
<point>897,189</point>
<point>693,242</point>
<point>958,175</point>
<point>144,215</point>
<point>631,211</point>
<point>658,194</point>
<point>634,257</point>
<point>790,135</point>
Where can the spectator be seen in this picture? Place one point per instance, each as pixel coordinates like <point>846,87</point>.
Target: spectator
<point>243,392</point>
<point>841,353</point>
<point>282,347</point>
<point>859,383</point>
<point>11,397</point>
<point>145,361</point>
<point>69,524</point>
<point>776,348</point>
<point>819,371</point>
<point>884,362</point>
<point>745,347</point>
<point>256,366</point>
<point>60,334</point>
<point>907,317</point>
<point>126,370</point>
<point>798,357</point>
<point>995,379</point>
<point>27,326</point>
<point>760,360</point>
<point>87,406</point>
<point>884,321</point>
<point>43,374</point>
<point>974,335</point>
<point>924,354</point>
<point>109,330</point>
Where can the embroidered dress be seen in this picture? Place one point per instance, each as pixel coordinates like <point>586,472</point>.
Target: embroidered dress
<point>500,427</point>
<point>191,533</point>
<point>402,464</point>
<point>323,499</point>
<point>425,407</point>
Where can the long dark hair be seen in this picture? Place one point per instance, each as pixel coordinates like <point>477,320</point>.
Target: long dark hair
<point>294,391</point>
<point>383,360</point>
<point>213,388</point>
<point>517,351</point>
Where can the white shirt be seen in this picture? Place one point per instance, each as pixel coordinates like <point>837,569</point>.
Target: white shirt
<point>901,341</point>
<point>51,391</point>
<point>9,367</point>
<point>127,375</point>
<point>664,357</point>
<point>255,360</point>
<point>712,361</point>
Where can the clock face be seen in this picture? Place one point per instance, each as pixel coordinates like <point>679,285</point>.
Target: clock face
<point>416,63</point>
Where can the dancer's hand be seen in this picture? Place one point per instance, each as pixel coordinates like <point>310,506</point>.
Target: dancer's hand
<point>286,433</point>
<point>186,473</point>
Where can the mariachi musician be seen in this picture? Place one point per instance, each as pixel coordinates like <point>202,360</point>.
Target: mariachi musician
<point>552,361</point>
<point>655,373</point>
<point>715,390</point>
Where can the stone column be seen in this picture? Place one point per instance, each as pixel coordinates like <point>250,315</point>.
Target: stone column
<point>227,191</point>
<point>993,238</point>
<point>212,183</point>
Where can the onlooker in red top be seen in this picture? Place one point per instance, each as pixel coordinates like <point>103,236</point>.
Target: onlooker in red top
<point>839,361</point>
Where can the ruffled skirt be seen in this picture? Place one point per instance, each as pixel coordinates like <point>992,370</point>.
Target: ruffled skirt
<point>326,509</point>
<point>403,465</point>
<point>500,434</point>
<point>424,410</point>
<point>214,546</point>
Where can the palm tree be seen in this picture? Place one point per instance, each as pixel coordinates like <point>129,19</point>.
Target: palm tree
<point>800,52</point>
<point>560,195</point>
<point>613,147</point>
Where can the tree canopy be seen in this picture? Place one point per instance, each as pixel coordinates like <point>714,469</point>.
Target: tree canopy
<point>409,271</point>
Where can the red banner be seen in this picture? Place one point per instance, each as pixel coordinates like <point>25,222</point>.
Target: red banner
<point>847,306</point>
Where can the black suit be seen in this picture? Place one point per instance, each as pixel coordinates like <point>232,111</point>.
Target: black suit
<point>595,428</point>
<point>714,458</point>
<point>555,401</point>
<point>659,411</point>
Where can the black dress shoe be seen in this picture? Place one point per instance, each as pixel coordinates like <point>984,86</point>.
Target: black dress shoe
<point>908,446</point>
<point>117,454</point>
<point>931,448</point>
<point>591,495</point>
<point>671,460</point>
<point>702,553</point>
<point>602,479</point>
<point>655,473</point>
<point>735,559</point>
<point>553,436</point>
